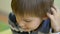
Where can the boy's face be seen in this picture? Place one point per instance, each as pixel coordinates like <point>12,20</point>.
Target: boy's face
<point>28,23</point>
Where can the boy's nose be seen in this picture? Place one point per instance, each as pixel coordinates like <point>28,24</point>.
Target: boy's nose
<point>22,26</point>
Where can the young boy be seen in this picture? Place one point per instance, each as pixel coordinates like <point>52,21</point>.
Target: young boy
<point>30,16</point>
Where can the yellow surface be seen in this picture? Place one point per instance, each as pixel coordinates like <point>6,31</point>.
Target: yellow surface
<point>6,32</point>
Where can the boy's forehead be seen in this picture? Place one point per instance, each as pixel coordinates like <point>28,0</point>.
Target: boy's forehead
<point>26,16</point>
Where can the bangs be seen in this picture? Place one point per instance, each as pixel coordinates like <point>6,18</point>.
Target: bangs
<point>34,12</point>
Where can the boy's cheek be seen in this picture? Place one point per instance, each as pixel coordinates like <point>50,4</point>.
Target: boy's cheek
<point>34,26</point>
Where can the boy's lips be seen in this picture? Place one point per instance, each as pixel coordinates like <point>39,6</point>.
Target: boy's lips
<point>25,28</point>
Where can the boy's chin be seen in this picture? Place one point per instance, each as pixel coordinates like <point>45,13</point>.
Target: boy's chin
<point>27,30</point>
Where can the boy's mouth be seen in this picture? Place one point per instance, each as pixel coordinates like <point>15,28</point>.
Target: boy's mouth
<point>25,28</point>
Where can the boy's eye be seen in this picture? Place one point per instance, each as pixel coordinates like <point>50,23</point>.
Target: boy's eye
<point>27,20</point>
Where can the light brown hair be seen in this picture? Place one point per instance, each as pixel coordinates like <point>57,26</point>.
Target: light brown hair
<point>32,7</point>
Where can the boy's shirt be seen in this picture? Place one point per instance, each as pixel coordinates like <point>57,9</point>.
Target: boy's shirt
<point>44,27</point>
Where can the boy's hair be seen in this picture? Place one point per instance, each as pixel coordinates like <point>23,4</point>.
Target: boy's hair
<point>32,7</point>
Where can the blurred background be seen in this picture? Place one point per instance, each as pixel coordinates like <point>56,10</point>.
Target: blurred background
<point>5,9</point>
